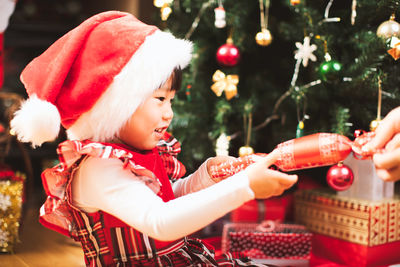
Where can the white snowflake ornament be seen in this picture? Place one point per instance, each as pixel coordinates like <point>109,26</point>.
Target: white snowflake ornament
<point>305,51</point>
<point>4,202</point>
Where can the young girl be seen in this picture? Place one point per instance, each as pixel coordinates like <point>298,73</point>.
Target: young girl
<point>110,82</point>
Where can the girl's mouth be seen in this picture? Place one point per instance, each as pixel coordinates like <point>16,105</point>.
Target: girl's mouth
<point>160,130</point>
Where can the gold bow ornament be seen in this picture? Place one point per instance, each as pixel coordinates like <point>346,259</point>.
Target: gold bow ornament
<point>227,83</point>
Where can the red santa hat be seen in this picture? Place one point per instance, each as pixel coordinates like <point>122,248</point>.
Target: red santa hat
<point>93,78</point>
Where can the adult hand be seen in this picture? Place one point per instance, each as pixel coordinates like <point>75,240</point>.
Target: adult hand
<point>387,138</point>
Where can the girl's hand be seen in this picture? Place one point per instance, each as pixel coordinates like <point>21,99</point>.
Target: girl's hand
<point>266,182</point>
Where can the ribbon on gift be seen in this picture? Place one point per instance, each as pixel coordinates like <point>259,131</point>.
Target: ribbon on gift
<point>227,83</point>
<point>266,226</point>
<point>316,150</point>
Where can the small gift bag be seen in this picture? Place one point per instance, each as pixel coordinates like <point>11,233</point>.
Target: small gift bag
<point>267,241</point>
<point>11,202</point>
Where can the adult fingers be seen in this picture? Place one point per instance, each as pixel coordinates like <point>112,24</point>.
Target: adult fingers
<point>389,126</point>
<point>390,175</point>
<point>387,160</point>
<point>394,143</point>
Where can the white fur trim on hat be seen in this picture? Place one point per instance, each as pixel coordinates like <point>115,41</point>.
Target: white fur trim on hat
<point>150,66</point>
<point>6,10</point>
<point>37,121</point>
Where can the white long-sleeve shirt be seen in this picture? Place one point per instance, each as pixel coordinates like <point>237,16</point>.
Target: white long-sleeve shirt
<point>103,184</point>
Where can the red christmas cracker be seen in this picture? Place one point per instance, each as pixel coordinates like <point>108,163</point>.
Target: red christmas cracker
<point>316,150</point>
<point>226,169</point>
<point>360,141</point>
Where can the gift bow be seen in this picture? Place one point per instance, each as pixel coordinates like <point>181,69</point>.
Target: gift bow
<point>227,83</point>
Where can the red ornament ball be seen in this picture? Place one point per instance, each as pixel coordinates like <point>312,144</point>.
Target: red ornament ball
<point>228,55</point>
<point>340,177</point>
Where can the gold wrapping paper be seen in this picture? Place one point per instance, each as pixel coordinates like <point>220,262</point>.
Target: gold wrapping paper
<point>359,221</point>
<point>11,196</point>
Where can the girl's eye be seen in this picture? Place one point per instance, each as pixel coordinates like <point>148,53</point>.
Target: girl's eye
<point>161,98</point>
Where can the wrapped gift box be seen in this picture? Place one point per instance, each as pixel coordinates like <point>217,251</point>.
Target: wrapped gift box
<point>267,240</point>
<point>278,208</point>
<point>344,253</point>
<point>275,208</point>
<point>11,200</point>
<point>364,232</point>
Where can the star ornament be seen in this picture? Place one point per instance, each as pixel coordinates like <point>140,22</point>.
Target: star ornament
<point>305,51</point>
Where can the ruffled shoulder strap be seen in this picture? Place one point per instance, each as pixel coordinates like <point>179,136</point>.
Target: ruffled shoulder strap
<point>55,212</point>
<point>169,148</point>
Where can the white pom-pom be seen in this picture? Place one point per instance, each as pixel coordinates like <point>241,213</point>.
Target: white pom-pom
<point>37,121</point>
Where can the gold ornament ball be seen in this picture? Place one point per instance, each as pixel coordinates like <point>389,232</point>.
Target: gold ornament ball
<point>374,124</point>
<point>245,151</point>
<point>264,37</point>
<point>388,29</point>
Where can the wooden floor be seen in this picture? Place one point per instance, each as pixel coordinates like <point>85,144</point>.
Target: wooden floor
<point>41,247</point>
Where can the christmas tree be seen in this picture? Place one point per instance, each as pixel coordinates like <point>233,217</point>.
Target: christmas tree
<point>266,71</point>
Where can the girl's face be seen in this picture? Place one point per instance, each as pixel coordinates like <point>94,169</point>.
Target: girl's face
<point>151,119</point>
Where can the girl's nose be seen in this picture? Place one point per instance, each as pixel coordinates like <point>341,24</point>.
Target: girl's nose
<point>168,113</point>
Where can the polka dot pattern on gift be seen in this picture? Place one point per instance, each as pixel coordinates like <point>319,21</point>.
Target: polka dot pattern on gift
<point>282,241</point>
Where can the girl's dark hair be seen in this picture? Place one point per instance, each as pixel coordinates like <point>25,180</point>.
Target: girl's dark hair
<point>176,79</point>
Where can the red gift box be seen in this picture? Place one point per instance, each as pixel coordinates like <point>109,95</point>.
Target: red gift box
<point>267,240</point>
<point>279,208</point>
<point>275,208</point>
<point>351,254</point>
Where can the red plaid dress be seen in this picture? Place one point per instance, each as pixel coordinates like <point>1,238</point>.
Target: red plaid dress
<point>106,240</point>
